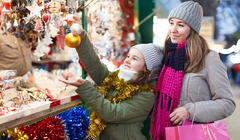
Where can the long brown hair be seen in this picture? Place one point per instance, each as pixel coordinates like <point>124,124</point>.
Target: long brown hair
<point>140,78</point>
<point>197,49</point>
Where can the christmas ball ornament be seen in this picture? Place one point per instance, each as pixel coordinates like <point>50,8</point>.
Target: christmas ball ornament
<point>72,40</point>
<point>63,9</point>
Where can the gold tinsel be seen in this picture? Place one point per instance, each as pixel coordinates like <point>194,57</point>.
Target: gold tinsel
<point>126,91</point>
<point>16,134</point>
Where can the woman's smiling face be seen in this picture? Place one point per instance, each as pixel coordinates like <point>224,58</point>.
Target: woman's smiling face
<point>178,30</point>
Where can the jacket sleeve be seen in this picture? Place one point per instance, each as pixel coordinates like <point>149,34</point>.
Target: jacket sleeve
<point>91,61</point>
<point>135,109</point>
<point>222,104</point>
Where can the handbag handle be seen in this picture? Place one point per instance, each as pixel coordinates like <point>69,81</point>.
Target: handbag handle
<point>193,114</point>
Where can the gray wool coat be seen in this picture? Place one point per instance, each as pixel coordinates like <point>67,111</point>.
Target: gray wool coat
<point>209,90</point>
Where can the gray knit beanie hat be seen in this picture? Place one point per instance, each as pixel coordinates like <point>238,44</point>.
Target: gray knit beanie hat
<point>152,54</point>
<point>190,12</point>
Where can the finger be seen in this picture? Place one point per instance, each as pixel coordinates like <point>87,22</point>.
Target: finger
<point>64,81</point>
<point>176,122</point>
<point>67,17</point>
<point>82,81</point>
<point>180,123</point>
<point>172,114</point>
<point>173,118</point>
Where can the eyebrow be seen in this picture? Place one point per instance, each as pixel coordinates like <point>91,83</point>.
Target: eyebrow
<point>179,21</point>
<point>134,55</point>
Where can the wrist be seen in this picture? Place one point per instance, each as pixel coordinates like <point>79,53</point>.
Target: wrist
<point>188,115</point>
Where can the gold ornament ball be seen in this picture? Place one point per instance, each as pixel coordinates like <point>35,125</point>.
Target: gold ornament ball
<point>72,40</point>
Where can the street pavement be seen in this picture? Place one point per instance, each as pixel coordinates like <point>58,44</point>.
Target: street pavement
<point>233,121</point>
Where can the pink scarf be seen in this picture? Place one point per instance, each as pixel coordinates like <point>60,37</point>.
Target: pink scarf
<point>168,89</point>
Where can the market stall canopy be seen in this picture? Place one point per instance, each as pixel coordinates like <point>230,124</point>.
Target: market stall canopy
<point>163,7</point>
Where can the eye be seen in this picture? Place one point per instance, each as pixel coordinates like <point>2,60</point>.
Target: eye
<point>128,56</point>
<point>171,23</point>
<point>180,25</point>
<point>134,58</point>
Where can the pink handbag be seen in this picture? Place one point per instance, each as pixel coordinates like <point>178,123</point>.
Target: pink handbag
<point>210,131</point>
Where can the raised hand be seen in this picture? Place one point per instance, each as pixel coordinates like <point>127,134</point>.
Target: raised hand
<point>70,19</point>
<point>76,83</point>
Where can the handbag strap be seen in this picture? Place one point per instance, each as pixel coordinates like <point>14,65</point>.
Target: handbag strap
<point>193,114</point>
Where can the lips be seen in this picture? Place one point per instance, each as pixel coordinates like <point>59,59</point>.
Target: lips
<point>174,36</point>
<point>126,67</point>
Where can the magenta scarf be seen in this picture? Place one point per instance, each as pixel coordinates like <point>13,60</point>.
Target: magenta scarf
<point>168,89</point>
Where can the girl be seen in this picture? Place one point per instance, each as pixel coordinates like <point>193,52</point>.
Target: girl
<point>125,97</point>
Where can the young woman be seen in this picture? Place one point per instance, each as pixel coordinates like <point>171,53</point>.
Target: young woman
<point>193,80</point>
<point>125,97</point>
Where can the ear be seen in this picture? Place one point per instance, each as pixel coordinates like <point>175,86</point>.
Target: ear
<point>145,69</point>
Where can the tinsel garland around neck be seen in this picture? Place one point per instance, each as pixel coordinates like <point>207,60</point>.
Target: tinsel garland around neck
<point>126,91</point>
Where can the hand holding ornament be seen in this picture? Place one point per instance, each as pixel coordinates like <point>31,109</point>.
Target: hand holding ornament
<point>70,19</point>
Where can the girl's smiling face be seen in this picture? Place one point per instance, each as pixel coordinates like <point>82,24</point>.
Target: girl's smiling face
<point>134,61</point>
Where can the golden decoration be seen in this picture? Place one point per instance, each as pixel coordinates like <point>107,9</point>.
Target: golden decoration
<point>72,40</point>
<point>126,91</point>
<point>17,134</point>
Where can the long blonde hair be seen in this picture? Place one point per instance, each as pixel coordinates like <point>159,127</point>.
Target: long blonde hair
<point>197,49</point>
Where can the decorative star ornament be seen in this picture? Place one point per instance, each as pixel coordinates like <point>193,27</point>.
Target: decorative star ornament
<point>35,9</point>
<point>61,39</point>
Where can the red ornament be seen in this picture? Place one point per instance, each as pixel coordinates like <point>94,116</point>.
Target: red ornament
<point>6,7</point>
<point>46,17</point>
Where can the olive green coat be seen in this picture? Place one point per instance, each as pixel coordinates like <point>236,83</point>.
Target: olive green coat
<point>125,119</point>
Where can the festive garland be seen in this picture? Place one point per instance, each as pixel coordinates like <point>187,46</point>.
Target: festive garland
<point>16,134</point>
<point>76,123</point>
<point>71,124</point>
<point>126,91</point>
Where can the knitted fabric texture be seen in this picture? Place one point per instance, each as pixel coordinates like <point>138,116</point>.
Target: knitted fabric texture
<point>190,12</point>
<point>152,54</point>
<point>168,89</point>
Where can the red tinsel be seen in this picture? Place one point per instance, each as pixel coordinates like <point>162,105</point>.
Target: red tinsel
<point>48,129</point>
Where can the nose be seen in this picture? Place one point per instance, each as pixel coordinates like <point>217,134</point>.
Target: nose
<point>127,60</point>
<point>173,28</point>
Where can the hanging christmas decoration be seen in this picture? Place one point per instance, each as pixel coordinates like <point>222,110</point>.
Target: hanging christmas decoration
<point>38,26</point>
<point>60,38</point>
<point>54,7</point>
<point>6,9</point>
<point>53,30</point>
<point>15,24</point>
<point>73,39</point>
<point>47,40</point>
<point>35,9</point>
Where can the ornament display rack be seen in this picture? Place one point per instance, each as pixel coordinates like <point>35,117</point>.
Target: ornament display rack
<point>24,117</point>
